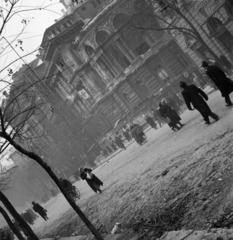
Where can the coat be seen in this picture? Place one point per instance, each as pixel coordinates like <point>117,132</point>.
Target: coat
<point>224,84</point>
<point>151,122</point>
<point>94,182</point>
<point>195,96</point>
<point>37,208</point>
<point>168,112</point>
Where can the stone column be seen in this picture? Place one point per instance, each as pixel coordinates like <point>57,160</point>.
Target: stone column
<point>101,73</point>
<point>125,50</point>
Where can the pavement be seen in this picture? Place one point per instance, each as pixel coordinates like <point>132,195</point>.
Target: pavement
<point>107,237</point>
<point>212,234</point>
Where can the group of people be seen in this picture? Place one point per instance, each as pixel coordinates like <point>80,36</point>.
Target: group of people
<point>195,98</point>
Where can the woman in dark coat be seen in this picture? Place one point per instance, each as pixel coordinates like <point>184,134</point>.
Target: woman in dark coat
<point>224,84</point>
<point>91,179</point>
<point>168,113</point>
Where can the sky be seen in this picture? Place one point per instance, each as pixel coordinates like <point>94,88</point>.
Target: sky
<point>38,20</point>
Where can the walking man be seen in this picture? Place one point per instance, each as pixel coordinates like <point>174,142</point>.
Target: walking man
<point>40,210</point>
<point>224,84</point>
<point>195,96</point>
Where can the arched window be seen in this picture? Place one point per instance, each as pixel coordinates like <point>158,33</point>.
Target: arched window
<point>213,23</point>
<point>89,50</point>
<point>101,36</point>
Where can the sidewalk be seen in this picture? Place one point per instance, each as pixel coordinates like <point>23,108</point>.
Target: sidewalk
<point>107,237</point>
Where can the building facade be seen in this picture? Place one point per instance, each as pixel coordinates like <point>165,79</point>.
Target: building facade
<point>98,68</point>
<point>109,69</point>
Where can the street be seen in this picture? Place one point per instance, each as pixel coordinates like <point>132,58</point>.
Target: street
<point>142,180</point>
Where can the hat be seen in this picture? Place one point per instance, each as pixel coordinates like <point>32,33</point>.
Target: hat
<point>183,84</point>
<point>204,64</point>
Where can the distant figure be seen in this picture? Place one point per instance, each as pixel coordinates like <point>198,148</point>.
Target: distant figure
<point>113,145</point>
<point>40,210</point>
<point>108,149</point>
<point>70,189</point>
<point>151,122</point>
<point>171,116</point>
<point>224,84</point>
<point>66,183</point>
<point>157,116</point>
<point>195,96</point>
<point>126,133</point>
<point>172,103</point>
<point>91,179</point>
<point>119,142</point>
<point>138,134</point>
<point>104,152</point>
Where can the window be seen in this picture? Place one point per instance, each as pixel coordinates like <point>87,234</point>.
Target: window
<point>94,3</point>
<point>227,39</point>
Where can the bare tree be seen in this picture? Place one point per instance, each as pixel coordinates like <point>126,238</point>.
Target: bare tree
<point>174,16</point>
<point>18,127</point>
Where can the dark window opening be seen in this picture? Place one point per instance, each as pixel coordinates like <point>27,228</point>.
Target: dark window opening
<point>142,48</point>
<point>227,39</point>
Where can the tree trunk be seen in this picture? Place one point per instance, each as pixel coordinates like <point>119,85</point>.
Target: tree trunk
<point>25,227</point>
<point>47,168</point>
<point>11,224</point>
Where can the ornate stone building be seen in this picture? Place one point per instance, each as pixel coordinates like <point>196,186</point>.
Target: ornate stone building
<point>101,69</point>
<point>213,21</point>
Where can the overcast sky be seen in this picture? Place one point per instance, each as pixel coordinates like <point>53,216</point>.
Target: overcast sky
<point>39,20</point>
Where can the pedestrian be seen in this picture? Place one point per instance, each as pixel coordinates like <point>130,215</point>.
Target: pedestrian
<point>113,145</point>
<point>171,116</point>
<point>224,84</point>
<point>157,116</point>
<point>195,96</point>
<point>108,149</point>
<point>105,152</point>
<point>119,142</point>
<point>67,185</point>
<point>93,181</point>
<point>151,121</point>
<point>126,133</point>
<point>40,210</point>
<point>138,134</point>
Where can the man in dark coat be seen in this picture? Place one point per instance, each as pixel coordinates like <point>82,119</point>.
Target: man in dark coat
<point>195,96</point>
<point>224,84</point>
<point>40,210</point>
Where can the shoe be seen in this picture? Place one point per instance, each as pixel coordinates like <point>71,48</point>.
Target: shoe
<point>208,123</point>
